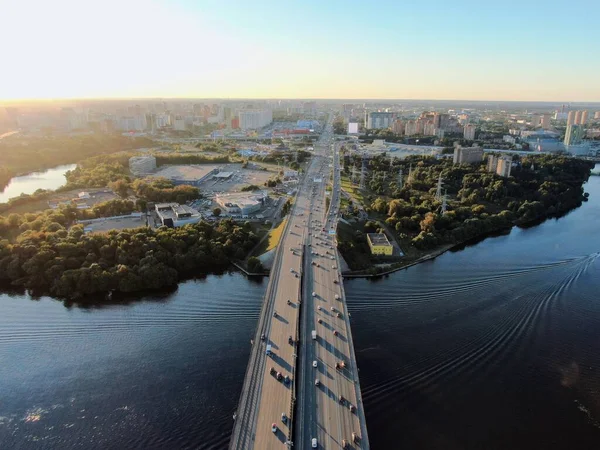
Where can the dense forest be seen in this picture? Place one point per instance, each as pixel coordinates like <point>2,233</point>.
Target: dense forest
<point>49,259</point>
<point>23,154</point>
<point>478,202</point>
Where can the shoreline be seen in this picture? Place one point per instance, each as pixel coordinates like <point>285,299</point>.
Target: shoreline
<point>440,251</point>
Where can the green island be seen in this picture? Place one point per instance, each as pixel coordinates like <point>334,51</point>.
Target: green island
<point>478,204</point>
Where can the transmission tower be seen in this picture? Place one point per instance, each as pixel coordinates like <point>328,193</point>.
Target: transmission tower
<point>410,174</point>
<point>445,201</point>
<point>353,175</point>
<point>438,192</point>
<point>363,172</point>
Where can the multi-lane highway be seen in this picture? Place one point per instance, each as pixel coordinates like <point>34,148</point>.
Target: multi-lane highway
<point>329,414</point>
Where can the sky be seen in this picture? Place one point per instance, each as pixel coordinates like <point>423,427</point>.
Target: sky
<point>543,50</point>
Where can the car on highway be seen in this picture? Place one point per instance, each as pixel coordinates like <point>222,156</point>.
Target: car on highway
<point>279,376</point>
<point>274,428</point>
<point>283,418</point>
<point>262,337</point>
<point>315,363</point>
<point>314,294</point>
<point>286,380</point>
<point>314,444</point>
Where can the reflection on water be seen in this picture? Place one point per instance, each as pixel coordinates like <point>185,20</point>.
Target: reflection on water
<point>495,346</point>
<point>28,184</point>
<point>163,372</point>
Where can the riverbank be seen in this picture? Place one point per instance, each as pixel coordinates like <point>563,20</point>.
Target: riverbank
<point>395,267</point>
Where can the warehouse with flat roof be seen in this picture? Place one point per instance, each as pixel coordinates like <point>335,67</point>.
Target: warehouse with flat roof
<point>176,215</point>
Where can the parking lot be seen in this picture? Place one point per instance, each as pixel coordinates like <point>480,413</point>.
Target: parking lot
<point>240,177</point>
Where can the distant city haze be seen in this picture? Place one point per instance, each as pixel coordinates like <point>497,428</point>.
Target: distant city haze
<point>516,50</point>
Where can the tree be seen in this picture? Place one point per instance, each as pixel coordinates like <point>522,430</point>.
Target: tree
<point>216,212</point>
<point>120,187</point>
<point>254,265</point>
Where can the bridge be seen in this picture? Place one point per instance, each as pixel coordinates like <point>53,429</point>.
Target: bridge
<point>307,388</point>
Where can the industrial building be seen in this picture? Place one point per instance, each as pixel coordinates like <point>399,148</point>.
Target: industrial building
<point>176,215</point>
<point>467,155</point>
<point>141,165</point>
<point>379,244</point>
<point>242,203</point>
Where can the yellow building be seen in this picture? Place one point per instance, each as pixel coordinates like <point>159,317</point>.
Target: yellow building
<point>379,244</point>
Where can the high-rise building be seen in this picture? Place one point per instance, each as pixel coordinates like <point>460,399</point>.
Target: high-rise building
<point>379,120</point>
<point>429,128</point>
<point>309,108</point>
<point>536,120</point>
<point>467,155</point>
<point>398,126</point>
<point>440,120</point>
<point>545,121</point>
<point>469,132</point>
<point>573,135</point>
<point>577,118</point>
<point>411,128</point>
<point>255,119</point>
<point>503,166</point>
<point>571,118</point>
<point>584,117</point>
<point>597,115</point>
<point>492,163</point>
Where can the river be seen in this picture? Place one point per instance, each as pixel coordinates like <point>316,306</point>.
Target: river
<point>27,184</point>
<point>493,346</point>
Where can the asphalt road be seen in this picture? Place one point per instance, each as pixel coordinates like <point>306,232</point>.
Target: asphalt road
<point>264,398</point>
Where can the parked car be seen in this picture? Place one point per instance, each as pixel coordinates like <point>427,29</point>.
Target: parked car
<point>274,428</point>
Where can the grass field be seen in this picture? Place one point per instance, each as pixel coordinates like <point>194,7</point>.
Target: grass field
<point>271,240</point>
<point>352,189</point>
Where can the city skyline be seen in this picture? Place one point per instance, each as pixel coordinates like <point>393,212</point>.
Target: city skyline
<point>341,50</point>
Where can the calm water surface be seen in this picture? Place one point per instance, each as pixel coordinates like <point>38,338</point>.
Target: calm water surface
<point>164,372</point>
<point>496,346</point>
<point>28,184</point>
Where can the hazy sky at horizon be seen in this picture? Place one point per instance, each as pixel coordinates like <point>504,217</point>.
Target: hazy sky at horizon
<point>509,50</point>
